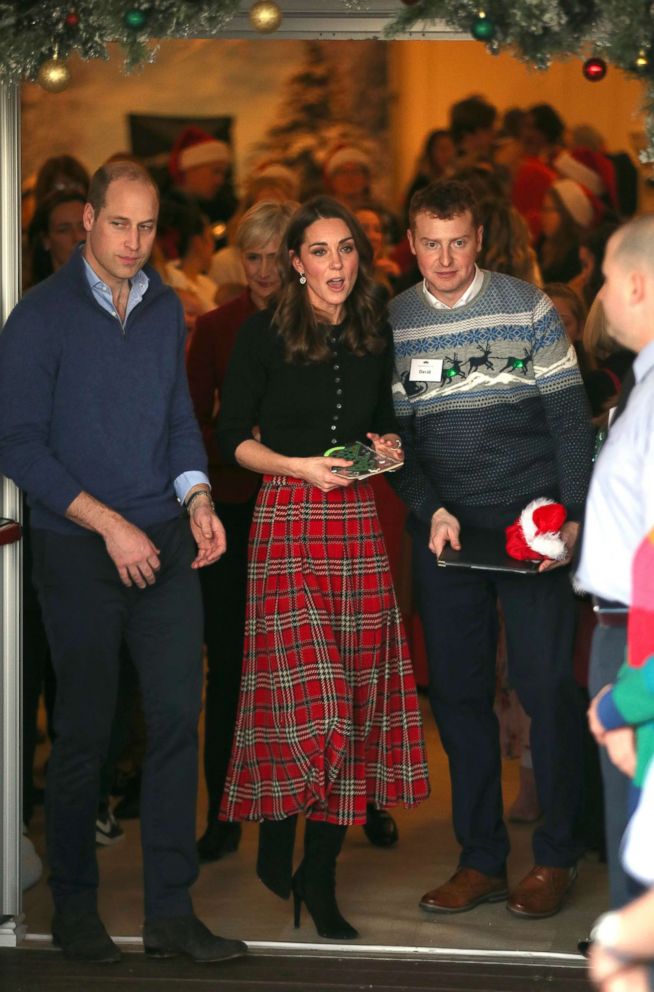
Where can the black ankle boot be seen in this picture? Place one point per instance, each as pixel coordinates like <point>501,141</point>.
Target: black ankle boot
<point>275,855</point>
<point>314,883</point>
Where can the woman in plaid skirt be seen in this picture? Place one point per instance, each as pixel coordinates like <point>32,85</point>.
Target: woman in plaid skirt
<point>328,716</point>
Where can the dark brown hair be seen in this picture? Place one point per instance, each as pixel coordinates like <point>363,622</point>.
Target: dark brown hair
<point>298,323</point>
<point>109,173</point>
<point>445,198</point>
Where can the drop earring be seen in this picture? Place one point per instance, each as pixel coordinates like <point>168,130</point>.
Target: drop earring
<point>303,279</point>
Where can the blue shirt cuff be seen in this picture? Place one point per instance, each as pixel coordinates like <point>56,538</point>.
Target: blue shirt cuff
<point>184,482</point>
<point>609,714</point>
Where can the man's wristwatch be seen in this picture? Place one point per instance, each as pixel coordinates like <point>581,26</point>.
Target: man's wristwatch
<point>198,492</point>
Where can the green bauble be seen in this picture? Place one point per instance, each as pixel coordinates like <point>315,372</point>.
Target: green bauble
<point>483,28</point>
<point>135,18</point>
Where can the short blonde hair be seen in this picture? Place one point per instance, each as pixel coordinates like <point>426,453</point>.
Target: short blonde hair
<point>263,222</point>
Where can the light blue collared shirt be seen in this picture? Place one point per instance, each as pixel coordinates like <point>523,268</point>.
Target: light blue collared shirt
<point>137,289</point>
<point>620,507</point>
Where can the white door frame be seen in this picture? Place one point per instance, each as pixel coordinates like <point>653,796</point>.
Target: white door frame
<point>11,931</point>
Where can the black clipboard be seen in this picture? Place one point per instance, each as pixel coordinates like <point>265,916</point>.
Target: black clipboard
<point>485,550</point>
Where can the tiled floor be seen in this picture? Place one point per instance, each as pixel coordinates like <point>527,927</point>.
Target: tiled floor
<point>378,889</point>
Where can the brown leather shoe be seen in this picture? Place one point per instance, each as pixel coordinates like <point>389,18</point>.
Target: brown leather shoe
<point>466,889</point>
<point>542,892</point>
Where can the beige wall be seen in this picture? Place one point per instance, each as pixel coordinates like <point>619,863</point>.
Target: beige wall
<point>246,79</point>
<point>428,76</point>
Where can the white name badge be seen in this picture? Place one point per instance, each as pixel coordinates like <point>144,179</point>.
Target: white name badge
<point>426,370</point>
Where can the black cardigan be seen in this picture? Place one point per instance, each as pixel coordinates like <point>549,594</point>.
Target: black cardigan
<point>302,409</point>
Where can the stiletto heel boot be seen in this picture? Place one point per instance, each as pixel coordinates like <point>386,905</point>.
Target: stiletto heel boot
<point>314,883</point>
<point>275,855</point>
<point>297,903</point>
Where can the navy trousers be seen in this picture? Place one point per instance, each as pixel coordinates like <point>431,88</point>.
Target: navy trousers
<point>458,608</point>
<point>88,613</point>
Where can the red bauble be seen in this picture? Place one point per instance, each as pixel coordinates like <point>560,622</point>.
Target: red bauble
<point>72,19</point>
<point>594,70</point>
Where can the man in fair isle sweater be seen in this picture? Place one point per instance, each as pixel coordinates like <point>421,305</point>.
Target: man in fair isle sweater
<point>492,414</point>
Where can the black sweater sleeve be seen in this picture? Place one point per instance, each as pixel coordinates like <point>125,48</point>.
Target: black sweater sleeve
<point>302,409</point>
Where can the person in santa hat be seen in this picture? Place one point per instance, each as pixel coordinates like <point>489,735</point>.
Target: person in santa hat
<point>198,163</point>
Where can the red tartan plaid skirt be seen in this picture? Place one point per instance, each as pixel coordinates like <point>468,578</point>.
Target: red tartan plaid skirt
<point>328,714</point>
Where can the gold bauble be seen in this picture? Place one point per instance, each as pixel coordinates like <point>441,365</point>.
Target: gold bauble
<point>53,76</point>
<point>265,16</point>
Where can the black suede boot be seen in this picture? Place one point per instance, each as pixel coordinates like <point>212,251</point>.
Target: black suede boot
<point>315,881</point>
<point>275,856</point>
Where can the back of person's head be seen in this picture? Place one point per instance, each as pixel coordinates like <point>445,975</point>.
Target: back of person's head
<point>264,222</point>
<point>61,172</point>
<point>505,245</point>
<point>470,115</point>
<point>109,173</point>
<point>512,120</point>
<point>484,182</point>
<point>445,199</point>
<point>546,120</point>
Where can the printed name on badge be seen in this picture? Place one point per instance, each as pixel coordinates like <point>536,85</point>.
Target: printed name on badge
<point>426,370</point>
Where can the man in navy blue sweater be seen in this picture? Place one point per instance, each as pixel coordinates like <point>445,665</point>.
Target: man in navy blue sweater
<point>96,425</point>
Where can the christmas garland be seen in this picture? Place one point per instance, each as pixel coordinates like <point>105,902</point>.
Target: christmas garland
<point>36,36</point>
<point>34,32</point>
<point>538,31</point>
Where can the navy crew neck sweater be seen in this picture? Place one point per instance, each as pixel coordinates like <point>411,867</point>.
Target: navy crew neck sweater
<point>87,404</point>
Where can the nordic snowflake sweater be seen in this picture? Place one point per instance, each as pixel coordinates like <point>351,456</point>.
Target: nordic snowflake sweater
<point>508,421</point>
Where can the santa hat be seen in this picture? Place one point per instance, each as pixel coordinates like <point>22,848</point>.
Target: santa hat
<point>195,147</point>
<point>582,206</point>
<point>344,155</point>
<point>535,534</point>
<point>591,169</point>
<point>277,173</point>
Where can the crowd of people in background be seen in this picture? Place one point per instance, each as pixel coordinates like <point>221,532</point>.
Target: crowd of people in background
<point>536,201</point>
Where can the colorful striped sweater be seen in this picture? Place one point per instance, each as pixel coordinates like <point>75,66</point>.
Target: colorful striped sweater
<point>508,421</point>
<point>630,702</point>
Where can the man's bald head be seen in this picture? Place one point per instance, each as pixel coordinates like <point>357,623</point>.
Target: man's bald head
<point>633,244</point>
<point>627,294</point>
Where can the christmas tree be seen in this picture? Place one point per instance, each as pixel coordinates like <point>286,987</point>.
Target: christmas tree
<point>322,106</point>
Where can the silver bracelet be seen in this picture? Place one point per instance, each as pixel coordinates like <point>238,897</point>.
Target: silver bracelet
<point>199,492</point>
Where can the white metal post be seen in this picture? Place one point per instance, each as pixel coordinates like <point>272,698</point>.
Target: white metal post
<point>11,929</point>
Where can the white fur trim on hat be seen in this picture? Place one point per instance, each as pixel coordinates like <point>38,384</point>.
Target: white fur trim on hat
<point>575,200</point>
<point>550,543</point>
<point>203,153</point>
<point>345,155</point>
<point>572,168</point>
